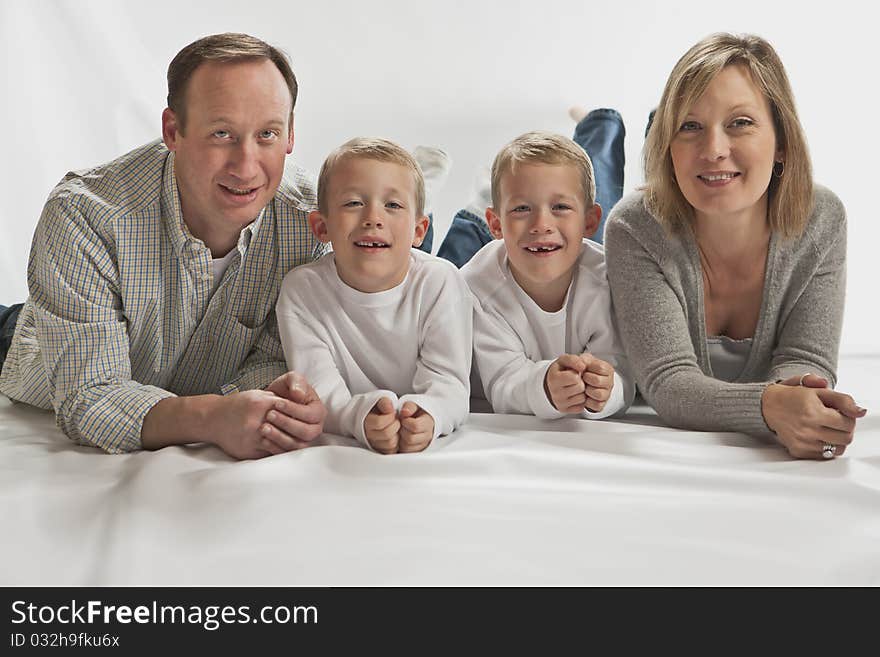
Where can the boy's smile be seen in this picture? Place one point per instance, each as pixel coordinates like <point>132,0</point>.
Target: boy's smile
<point>371,222</point>
<point>543,218</point>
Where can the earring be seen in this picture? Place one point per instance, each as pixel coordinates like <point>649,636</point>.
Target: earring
<point>779,169</point>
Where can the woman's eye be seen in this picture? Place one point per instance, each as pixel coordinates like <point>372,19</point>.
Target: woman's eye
<point>742,123</point>
<point>689,126</point>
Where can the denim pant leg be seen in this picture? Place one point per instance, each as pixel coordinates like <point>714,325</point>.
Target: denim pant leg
<point>467,235</point>
<point>601,133</point>
<point>8,320</point>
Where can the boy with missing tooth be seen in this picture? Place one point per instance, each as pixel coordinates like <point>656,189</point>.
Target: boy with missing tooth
<point>545,342</point>
<point>382,331</point>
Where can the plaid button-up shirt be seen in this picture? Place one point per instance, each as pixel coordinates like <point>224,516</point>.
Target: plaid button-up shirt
<point>120,313</point>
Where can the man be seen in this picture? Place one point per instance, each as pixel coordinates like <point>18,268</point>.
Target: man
<point>153,278</point>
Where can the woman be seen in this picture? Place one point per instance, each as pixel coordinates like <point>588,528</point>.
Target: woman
<point>727,270</point>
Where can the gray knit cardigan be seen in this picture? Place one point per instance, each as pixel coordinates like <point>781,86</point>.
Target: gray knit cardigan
<point>657,289</point>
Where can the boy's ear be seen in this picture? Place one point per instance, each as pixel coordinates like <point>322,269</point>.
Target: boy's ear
<point>319,226</point>
<point>494,223</point>
<point>592,219</point>
<point>422,224</point>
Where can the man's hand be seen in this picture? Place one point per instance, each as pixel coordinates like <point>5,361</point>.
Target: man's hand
<point>236,424</point>
<point>416,428</point>
<point>598,378</point>
<point>563,384</point>
<point>381,427</point>
<point>297,417</point>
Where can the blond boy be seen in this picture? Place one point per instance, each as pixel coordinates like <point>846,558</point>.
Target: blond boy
<point>383,331</point>
<point>545,341</point>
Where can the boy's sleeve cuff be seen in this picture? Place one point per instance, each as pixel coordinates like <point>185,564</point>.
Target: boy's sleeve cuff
<point>616,401</point>
<point>363,405</point>
<point>540,404</point>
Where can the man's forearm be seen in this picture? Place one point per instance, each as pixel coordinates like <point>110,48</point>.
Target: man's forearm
<point>178,421</point>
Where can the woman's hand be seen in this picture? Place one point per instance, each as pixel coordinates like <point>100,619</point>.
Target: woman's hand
<point>806,415</point>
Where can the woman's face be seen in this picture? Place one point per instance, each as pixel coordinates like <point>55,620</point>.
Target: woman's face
<point>725,148</point>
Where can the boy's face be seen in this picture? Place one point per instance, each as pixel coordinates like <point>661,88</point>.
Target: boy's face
<point>542,218</point>
<point>371,222</point>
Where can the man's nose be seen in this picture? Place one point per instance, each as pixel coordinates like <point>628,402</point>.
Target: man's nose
<point>244,163</point>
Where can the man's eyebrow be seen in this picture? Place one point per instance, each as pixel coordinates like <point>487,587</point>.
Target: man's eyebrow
<point>224,119</point>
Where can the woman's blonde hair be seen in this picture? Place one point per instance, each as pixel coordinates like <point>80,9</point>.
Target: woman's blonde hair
<point>791,193</point>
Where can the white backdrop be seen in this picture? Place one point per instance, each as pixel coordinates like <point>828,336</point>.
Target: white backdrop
<point>84,81</point>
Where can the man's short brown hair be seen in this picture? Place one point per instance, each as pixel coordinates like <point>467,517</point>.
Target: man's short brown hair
<point>224,48</point>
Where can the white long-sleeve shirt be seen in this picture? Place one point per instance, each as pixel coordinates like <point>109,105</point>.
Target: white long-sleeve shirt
<point>515,341</point>
<point>409,343</point>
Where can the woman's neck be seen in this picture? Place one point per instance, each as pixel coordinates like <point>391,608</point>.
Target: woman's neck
<point>733,238</point>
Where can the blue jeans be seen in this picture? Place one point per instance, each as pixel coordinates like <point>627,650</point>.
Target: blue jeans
<point>467,235</point>
<point>8,319</point>
<point>600,133</point>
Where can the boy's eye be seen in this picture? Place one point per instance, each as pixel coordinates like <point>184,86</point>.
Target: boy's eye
<point>520,208</point>
<point>561,207</point>
<point>394,205</point>
<point>354,203</point>
<point>689,126</point>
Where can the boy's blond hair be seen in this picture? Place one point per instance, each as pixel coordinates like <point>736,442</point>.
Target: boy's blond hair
<point>791,186</point>
<point>372,148</point>
<point>541,147</point>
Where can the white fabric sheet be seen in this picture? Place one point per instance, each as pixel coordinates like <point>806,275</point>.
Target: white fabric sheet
<point>506,500</point>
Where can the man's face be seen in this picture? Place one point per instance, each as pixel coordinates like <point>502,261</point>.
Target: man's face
<point>371,222</point>
<point>229,156</point>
